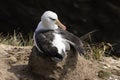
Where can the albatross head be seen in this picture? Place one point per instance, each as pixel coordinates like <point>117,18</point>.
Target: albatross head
<point>50,20</point>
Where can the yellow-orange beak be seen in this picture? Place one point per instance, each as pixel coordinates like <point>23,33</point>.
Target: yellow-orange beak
<point>60,25</point>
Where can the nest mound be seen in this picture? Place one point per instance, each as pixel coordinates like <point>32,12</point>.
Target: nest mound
<point>73,67</point>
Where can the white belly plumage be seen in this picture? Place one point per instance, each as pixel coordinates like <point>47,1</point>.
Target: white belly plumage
<point>60,43</point>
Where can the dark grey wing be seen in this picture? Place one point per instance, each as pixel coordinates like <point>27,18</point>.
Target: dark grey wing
<point>72,39</point>
<point>44,43</point>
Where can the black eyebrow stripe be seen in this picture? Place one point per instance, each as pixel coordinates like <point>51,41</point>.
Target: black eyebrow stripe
<point>51,18</point>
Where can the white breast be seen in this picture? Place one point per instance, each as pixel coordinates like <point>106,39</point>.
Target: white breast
<point>58,42</point>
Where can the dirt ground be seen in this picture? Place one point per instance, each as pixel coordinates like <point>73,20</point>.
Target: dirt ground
<point>14,66</point>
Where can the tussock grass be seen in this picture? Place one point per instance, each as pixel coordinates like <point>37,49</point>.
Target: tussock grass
<point>17,39</point>
<point>95,51</point>
<point>98,50</point>
<point>104,74</point>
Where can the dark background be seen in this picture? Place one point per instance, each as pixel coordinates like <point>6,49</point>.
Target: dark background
<point>80,16</point>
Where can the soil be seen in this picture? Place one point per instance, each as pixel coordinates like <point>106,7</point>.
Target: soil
<point>14,66</point>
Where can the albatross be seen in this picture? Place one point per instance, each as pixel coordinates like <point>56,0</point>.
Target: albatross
<point>52,39</point>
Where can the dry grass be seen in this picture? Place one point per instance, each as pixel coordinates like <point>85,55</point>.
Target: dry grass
<point>97,51</point>
<point>17,39</point>
<point>104,74</point>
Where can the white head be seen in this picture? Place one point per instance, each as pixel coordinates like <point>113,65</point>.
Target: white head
<point>50,19</point>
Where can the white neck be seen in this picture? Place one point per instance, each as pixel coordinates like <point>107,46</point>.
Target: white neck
<point>44,26</point>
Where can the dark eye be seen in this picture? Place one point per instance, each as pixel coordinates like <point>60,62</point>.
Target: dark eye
<point>52,19</point>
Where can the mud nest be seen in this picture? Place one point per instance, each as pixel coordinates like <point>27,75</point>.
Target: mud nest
<point>73,67</point>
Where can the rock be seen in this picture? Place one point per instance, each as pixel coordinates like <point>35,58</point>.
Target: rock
<point>73,67</point>
<point>13,59</point>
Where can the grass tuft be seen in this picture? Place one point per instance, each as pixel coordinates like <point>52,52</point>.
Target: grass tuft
<point>104,74</point>
<point>95,50</point>
<point>98,50</point>
<point>17,39</point>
